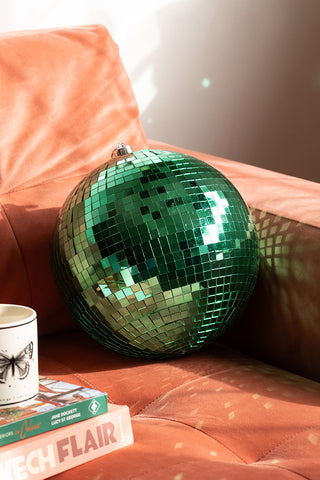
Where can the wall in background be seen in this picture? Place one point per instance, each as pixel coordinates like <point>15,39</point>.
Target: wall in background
<point>236,78</point>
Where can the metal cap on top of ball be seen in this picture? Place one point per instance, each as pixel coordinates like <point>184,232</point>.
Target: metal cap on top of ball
<point>155,253</point>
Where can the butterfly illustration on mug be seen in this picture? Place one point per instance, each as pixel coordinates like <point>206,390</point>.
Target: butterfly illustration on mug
<point>18,365</point>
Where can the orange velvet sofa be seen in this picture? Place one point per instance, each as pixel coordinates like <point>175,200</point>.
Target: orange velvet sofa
<point>245,407</point>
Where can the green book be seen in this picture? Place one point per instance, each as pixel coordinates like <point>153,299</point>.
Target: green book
<point>58,404</point>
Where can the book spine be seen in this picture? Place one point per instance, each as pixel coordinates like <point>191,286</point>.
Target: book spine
<point>56,451</point>
<point>53,419</point>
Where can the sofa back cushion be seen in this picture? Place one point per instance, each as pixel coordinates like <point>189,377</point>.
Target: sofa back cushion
<point>66,101</point>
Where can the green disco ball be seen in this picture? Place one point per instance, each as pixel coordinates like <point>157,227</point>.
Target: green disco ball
<point>155,253</point>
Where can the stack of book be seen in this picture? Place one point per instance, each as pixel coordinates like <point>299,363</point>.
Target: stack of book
<point>64,426</point>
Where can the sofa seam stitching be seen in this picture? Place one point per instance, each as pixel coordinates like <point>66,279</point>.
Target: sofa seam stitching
<point>138,416</point>
<point>282,467</point>
<point>77,375</point>
<point>284,441</point>
<point>177,387</point>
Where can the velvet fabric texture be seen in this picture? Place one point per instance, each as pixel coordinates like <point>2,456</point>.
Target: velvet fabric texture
<point>66,103</point>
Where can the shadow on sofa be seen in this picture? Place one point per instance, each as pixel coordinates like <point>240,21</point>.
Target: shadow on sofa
<point>281,322</point>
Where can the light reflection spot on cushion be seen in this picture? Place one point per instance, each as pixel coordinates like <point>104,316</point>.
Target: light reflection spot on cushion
<point>313,439</point>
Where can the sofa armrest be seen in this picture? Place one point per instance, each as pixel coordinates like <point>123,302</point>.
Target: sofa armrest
<point>281,324</point>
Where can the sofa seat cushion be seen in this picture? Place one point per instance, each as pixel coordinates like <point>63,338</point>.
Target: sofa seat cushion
<point>67,101</point>
<point>214,414</point>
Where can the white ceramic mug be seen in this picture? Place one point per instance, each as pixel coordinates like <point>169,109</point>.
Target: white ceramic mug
<point>19,379</point>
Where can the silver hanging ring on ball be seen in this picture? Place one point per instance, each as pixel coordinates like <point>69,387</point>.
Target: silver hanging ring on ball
<point>122,150</point>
